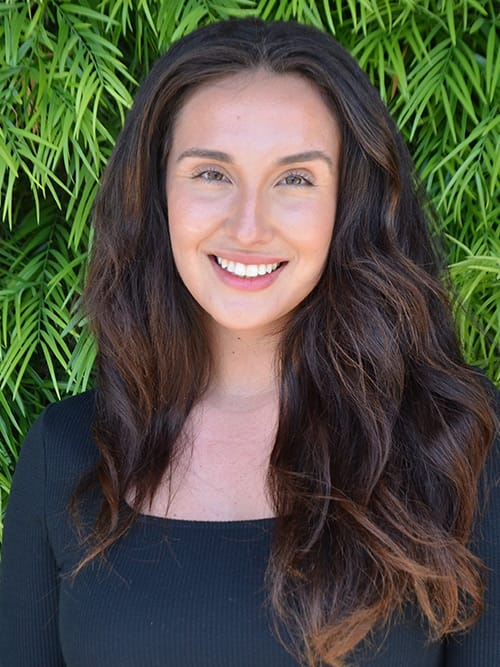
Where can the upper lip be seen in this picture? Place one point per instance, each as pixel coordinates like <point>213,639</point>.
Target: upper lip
<point>249,258</point>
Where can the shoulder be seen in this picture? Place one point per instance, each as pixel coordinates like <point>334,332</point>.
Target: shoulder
<point>58,451</point>
<point>68,433</point>
<point>490,478</point>
<point>73,412</point>
<point>485,537</point>
<point>480,645</point>
<point>61,440</point>
<point>490,481</point>
<point>487,526</point>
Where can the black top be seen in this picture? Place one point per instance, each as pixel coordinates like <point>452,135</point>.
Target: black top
<point>172,593</point>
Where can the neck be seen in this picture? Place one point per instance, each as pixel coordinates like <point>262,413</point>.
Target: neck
<point>245,368</point>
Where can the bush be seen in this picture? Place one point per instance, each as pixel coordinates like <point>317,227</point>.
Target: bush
<point>67,79</point>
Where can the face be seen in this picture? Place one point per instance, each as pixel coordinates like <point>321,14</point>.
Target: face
<point>251,189</point>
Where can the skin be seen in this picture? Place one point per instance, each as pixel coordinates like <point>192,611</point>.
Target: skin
<point>234,190</point>
<point>251,177</point>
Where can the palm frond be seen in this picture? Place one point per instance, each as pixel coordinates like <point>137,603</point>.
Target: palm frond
<point>67,75</point>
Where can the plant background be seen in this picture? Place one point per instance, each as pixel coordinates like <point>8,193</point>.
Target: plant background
<point>67,76</point>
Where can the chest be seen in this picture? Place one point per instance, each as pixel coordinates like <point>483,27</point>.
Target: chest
<point>174,593</point>
<point>222,471</point>
<point>177,593</point>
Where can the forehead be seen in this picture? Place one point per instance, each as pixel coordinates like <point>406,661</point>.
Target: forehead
<point>259,105</point>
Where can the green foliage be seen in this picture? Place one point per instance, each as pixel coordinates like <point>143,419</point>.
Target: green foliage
<point>67,76</point>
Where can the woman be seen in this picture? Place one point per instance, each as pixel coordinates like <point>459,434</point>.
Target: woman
<point>281,463</point>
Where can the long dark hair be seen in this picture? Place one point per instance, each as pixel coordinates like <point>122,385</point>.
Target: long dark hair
<point>383,429</point>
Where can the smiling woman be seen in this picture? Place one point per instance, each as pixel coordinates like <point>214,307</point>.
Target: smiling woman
<point>251,194</point>
<point>286,460</point>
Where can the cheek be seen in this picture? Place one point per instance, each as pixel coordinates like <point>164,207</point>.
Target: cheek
<point>192,216</point>
<point>310,227</point>
<point>185,222</point>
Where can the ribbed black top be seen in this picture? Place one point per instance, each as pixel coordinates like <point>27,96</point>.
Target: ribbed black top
<point>172,593</point>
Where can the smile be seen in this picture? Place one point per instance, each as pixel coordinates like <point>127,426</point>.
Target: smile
<point>246,270</point>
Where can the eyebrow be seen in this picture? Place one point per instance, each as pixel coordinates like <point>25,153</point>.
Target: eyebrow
<point>304,156</point>
<point>202,152</point>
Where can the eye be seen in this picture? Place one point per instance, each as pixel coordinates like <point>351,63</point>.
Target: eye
<point>210,175</point>
<point>295,178</point>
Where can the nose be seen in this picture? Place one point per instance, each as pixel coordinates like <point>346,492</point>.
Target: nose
<point>248,222</point>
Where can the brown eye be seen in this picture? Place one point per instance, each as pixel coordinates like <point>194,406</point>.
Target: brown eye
<point>211,175</point>
<point>295,179</point>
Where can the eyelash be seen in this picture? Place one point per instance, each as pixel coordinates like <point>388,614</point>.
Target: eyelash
<point>203,172</point>
<point>298,174</point>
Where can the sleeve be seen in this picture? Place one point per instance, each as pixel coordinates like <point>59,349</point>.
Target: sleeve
<point>29,587</point>
<point>480,647</point>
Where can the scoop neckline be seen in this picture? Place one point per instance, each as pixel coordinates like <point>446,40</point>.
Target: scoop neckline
<point>205,523</point>
<point>142,517</point>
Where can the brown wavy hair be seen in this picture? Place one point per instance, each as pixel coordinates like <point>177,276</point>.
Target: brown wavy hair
<point>383,429</point>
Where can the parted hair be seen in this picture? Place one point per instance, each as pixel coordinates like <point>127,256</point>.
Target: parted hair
<point>383,429</point>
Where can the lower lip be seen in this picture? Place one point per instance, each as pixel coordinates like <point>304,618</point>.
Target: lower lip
<point>247,284</point>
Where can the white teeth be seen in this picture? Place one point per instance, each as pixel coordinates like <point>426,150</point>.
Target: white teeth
<point>252,270</point>
<point>239,269</point>
<point>246,270</point>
